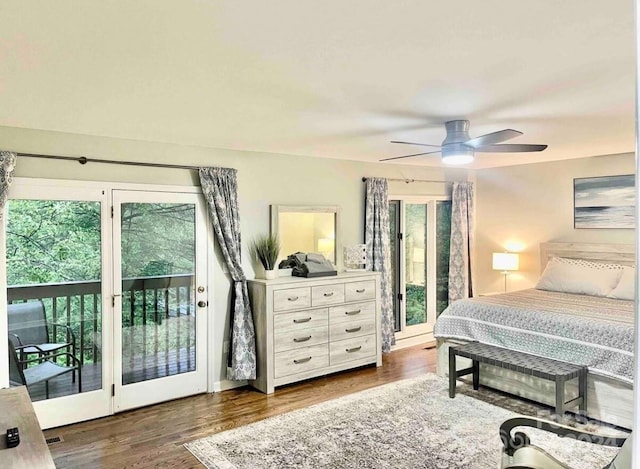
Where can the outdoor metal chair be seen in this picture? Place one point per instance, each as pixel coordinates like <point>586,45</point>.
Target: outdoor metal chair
<point>22,374</point>
<point>29,331</point>
<point>519,453</point>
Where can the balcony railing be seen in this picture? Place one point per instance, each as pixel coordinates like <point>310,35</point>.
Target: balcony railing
<point>158,315</point>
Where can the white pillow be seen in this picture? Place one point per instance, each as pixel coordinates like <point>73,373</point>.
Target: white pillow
<point>626,288</point>
<point>579,276</point>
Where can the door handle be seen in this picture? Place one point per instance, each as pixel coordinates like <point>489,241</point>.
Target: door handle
<point>202,304</point>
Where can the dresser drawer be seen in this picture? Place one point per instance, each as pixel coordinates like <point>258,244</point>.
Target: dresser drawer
<point>347,330</point>
<point>300,320</point>
<point>352,312</point>
<point>291,298</point>
<point>352,349</point>
<point>289,340</point>
<point>327,295</point>
<point>357,291</point>
<point>300,360</point>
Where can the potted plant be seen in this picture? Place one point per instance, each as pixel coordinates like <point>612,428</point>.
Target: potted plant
<point>266,249</point>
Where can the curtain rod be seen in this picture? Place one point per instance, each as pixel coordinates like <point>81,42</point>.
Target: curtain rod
<point>85,160</point>
<point>411,180</point>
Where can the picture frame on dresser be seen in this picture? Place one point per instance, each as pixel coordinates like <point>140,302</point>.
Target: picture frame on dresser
<point>307,328</point>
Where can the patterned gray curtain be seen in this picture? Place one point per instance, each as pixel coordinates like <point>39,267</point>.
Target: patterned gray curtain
<point>7,163</point>
<point>377,239</point>
<point>462,244</point>
<point>220,189</point>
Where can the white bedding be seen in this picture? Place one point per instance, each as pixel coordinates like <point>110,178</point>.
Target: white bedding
<point>587,330</point>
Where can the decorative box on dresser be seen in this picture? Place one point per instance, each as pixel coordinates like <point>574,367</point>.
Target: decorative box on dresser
<point>312,327</point>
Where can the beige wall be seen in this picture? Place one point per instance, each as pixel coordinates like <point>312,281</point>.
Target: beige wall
<point>263,179</point>
<point>533,203</point>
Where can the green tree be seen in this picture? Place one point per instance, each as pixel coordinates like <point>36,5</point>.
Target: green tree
<point>52,241</point>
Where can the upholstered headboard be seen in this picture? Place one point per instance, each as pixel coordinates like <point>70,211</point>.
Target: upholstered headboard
<point>624,254</point>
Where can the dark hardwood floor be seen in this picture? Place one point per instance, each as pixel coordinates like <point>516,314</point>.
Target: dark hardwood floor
<point>153,436</point>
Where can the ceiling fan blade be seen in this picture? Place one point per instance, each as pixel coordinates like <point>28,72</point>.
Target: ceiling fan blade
<point>510,148</point>
<point>412,143</point>
<point>409,156</point>
<point>494,137</point>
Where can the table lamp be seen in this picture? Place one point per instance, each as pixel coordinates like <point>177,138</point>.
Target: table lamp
<point>506,262</point>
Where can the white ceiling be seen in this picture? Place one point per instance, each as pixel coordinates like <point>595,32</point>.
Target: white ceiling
<point>335,79</point>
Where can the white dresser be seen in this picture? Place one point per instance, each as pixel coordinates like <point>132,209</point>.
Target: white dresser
<point>312,327</point>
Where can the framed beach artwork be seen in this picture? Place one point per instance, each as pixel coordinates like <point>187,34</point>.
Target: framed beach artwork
<point>604,202</point>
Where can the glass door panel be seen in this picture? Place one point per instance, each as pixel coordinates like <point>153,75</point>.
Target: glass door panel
<point>159,259</point>
<point>415,263</point>
<point>54,296</point>
<point>443,238</point>
<point>56,260</point>
<point>158,290</point>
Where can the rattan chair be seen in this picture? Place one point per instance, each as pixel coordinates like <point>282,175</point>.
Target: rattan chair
<point>519,453</point>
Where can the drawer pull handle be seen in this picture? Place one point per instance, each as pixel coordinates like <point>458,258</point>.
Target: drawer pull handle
<point>300,321</point>
<point>292,298</point>
<point>301,339</point>
<point>301,360</point>
<point>328,294</point>
<point>352,313</point>
<point>354,349</point>
<point>353,329</point>
<point>360,290</point>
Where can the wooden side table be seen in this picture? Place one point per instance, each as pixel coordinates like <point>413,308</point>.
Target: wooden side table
<point>16,410</point>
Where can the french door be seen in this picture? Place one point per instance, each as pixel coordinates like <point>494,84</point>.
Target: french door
<point>420,229</point>
<point>118,281</point>
<point>159,299</point>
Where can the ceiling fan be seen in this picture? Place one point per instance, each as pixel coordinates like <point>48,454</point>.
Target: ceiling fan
<point>459,148</point>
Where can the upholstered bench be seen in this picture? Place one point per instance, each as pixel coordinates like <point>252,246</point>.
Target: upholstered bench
<point>545,368</point>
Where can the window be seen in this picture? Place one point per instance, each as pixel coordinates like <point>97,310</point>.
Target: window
<point>54,262</point>
<point>420,231</point>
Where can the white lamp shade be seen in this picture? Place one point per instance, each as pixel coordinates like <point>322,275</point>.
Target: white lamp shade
<point>506,261</point>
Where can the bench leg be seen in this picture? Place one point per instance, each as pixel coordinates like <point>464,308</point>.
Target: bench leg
<point>452,372</point>
<point>582,389</point>
<point>560,396</point>
<point>476,374</point>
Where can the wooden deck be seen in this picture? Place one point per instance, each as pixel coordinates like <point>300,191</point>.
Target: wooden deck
<point>139,369</point>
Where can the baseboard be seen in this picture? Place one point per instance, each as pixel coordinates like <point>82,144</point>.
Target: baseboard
<point>426,338</point>
<point>225,385</point>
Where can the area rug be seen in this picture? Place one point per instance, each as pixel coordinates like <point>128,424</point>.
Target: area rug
<point>407,424</point>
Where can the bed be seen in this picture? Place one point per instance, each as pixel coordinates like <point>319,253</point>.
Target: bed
<point>576,328</point>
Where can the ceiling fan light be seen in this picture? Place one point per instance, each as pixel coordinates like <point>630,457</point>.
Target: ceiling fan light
<point>457,159</point>
<point>456,154</point>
